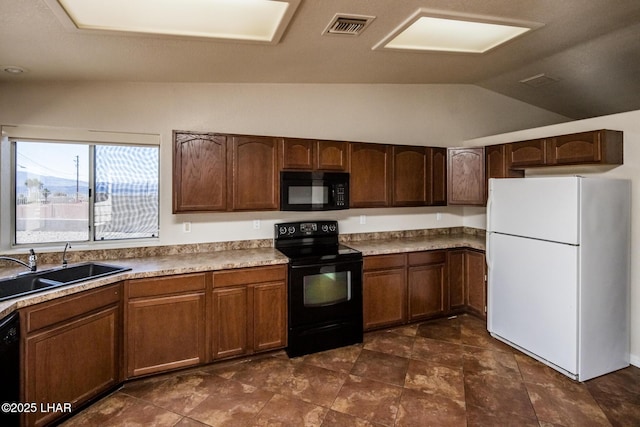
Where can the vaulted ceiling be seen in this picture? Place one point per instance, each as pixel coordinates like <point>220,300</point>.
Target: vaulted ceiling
<point>588,52</point>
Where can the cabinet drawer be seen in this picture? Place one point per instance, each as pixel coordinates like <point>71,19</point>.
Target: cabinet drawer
<point>244,276</point>
<point>427,257</point>
<point>166,285</point>
<point>378,262</point>
<point>52,312</point>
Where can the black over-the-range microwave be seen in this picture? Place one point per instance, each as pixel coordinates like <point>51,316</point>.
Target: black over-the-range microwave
<point>314,191</point>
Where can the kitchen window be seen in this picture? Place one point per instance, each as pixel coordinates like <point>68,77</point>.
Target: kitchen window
<point>83,191</point>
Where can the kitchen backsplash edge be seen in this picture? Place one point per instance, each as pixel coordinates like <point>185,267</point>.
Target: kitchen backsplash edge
<point>168,250</point>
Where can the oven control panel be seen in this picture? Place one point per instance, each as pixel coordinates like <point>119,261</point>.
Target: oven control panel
<point>306,229</point>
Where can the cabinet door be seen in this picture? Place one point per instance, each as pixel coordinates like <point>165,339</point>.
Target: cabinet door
<point>456,277</point>
<point>230,308</point>
<point>384,298</point>
<point>199,172</point>
<point>165,333</point>
<point>410,172</point>
<point>427,293</point>
<point>602,146</point>
<point>427,284</point>
<point>497,164</point>
<point>255,178</point>
<point>476,286</point>
<point>298,153</point>
<point>332,156</point>
<point>438,158</point>
<point>465,170</point>
<point>370,175</point>
<point>71,363</point>
<point>496,161</point>
<point>269,316</point>
<point>527,153</point>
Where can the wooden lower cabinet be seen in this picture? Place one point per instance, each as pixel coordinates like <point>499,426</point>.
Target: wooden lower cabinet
<point>165,323</point>
<point>384,291</point>
<point>230,325</point>
<point>475,275</point>
<point>249,312</point>
<point>467,281</point>
<point>427,284</point>
<point>71,351</point>
<point>455,268</point>
<point>402,288</point>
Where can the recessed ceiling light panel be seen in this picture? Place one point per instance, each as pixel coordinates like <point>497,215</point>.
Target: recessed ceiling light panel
<point>435,31</point>
<point>245,20</point>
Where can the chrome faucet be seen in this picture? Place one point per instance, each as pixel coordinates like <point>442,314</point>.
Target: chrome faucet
<point>33,260</point>
<point>64,255</point>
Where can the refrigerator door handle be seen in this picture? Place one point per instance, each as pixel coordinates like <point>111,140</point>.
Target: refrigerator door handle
<point>489,229</point>
<point>488,257</point>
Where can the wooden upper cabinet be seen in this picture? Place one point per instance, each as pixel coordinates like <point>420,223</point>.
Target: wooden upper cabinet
<point>255,180</point>
<point>497,163</point>
<point>309,154</point>
<point>332,156</point>
<point>199,172</point>
<point>601,146</point>
<point>593,147</point>
<point>410,176</point>
<point>438,159</point>
<point>298,153</point>
<point>465,171</point>
<point>370,166</point>
<point>527,153</point>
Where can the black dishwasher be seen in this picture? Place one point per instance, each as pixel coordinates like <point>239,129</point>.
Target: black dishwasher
<point>9,369</point>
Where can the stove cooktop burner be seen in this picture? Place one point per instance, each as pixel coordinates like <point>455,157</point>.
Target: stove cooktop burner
<point>315,241</point>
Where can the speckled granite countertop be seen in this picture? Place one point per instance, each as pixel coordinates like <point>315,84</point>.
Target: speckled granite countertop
<point>151,267</point>
<point>183,259</point>
<point>418,243</point>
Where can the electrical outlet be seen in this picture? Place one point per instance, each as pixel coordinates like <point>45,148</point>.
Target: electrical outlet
<point>186,227</point>
<point>256,224</point>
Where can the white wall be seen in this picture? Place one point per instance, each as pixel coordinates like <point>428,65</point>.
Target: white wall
<point>438,115</point>
<point>629,123</point>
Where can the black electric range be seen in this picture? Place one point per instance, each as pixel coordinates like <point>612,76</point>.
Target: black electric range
<point>324,287</point>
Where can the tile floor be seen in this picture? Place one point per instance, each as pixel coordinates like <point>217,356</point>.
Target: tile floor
<point>447,372</point>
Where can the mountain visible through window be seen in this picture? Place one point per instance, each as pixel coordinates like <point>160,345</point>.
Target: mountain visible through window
<point>84,192</point>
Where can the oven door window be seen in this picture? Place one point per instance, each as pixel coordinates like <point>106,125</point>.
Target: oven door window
<point>326,288</point>
<point>308,195</point>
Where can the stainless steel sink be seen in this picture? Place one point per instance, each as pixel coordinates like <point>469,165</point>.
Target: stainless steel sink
<point>31,283</point>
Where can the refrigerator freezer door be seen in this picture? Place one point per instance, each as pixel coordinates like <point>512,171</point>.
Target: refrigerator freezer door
<point>540,208</point>
<point>532,297</point>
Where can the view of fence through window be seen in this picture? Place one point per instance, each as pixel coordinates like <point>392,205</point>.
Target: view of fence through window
<point>53,183</point>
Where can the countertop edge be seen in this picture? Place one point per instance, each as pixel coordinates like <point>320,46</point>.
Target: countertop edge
<point>234,259</point>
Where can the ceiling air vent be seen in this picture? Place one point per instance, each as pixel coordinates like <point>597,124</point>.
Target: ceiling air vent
<point>539,80</point>
<point>351,25</point>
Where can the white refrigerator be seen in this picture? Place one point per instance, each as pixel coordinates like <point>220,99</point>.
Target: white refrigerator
<point>558,270</point>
